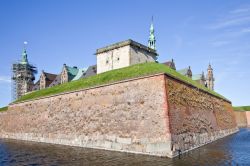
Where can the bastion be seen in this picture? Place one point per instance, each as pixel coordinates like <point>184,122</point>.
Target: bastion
<point>242,118</point>
<point>156,115</point>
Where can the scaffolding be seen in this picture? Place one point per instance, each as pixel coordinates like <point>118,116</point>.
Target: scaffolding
<point>23,76</point>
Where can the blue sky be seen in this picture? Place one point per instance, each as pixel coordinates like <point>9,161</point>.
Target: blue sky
<point>193,32</point>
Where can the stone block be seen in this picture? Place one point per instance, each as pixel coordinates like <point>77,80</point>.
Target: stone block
<point>116,146</point>
<point>158,147</point>
<point>124,140</point>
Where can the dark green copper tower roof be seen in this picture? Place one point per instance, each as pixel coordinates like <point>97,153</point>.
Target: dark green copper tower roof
<point>151,40</point>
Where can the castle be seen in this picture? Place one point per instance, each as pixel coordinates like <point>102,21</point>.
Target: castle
<point>162,113</point>
<point>115,56</point>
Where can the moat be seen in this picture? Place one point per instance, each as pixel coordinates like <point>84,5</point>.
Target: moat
<point>232,150</point>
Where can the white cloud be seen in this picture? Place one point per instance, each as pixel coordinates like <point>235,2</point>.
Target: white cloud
<point>235,17</point>
<point>5,79</point>
<point>245,30</point>
<point>229,22</point>
<point>241,10</point>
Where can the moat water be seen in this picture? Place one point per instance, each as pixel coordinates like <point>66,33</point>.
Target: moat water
<point>232,150</point>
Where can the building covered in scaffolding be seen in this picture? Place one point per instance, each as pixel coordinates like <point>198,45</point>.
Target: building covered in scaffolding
<point>23,76</point>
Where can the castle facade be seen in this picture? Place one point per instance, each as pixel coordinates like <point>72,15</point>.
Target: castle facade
<point>115,56</point>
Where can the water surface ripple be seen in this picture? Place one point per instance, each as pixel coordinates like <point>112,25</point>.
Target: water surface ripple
<point>232,150</point>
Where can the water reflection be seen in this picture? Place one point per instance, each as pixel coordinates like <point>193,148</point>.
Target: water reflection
<point>232,150</point>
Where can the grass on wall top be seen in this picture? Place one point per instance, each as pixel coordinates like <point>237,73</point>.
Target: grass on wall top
<point>114,76</point>
<point>242,108</point>
<point>3,109</point>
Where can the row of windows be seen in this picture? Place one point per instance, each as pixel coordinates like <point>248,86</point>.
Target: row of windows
<point>117,59</point>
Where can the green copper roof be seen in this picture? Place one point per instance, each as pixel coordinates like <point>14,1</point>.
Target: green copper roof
<point>79,74</point>
<point>151,40</point>
<point>72,72</point>
<point>197,77</point>
<point>24,59</point>
<point>183,71</point>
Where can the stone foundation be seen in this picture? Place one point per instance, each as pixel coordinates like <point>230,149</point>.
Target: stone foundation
<point>154,115</point>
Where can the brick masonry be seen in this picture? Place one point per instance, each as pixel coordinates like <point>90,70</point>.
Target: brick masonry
<point>154,115</point>
<point>195,117</point>
<point>242,118</point>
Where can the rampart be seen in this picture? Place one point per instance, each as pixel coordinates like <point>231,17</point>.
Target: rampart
<point>155,115</point>
<point>242,118</point>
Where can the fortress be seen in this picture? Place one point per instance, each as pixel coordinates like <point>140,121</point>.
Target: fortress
<point>115,56</point>
<point>162,112</point>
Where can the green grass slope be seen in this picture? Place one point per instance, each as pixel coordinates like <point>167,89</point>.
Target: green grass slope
<point>134,71</point>
<point>3,109</point>
<point>242,108</point>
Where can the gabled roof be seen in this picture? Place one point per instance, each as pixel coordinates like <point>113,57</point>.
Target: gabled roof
<point>183,71</point>
<point>79,74</point>
<point>90,71</point>
<point>170,64</point>
<point>197,77</point>
<point>186,72</point>
<point>72,71</point>
<point>49,76</point>
<point>36,86</point>
<point>56,81</point>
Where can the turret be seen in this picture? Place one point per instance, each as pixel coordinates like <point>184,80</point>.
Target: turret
<point>24,59</point>
<point>23,76</point>
<point>151,40</point>
<point>210,78</point>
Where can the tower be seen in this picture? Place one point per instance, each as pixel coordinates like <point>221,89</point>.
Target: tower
<point>203,79</point>
<point>23,75</point>
<point>210,78</point>
<point>151,40</point>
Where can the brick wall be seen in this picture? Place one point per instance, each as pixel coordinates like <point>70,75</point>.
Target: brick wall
<point>242,118</point>
<point>154,115</point>
<point>248,118</point>
<point>128,116</point>
<point>196,118</point>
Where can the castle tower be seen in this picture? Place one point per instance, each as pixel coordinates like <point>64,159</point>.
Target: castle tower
<point>23,75</point>
<point>151,40</point>
<point>210,78</point>
<point>203,79</point>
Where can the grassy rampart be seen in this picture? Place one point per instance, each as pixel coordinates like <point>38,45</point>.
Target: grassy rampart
<point>134,71</point>
<point>3,109</point>
<point>242,108</point>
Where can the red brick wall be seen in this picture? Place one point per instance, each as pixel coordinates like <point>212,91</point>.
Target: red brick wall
<point>241,118</point>
<point>153,115</point>
<point>127,116</point>
<point>196,117</point>
<point>248,117</point>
